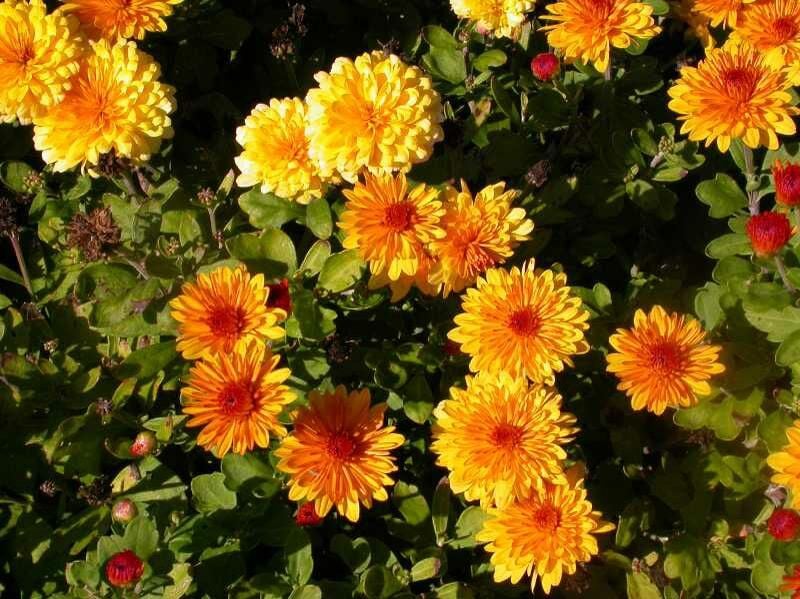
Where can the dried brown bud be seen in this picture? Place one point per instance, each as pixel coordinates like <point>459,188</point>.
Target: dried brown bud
<point>97,492</point>
<point>111,165</point>
<point>538,174</point>
<point>206,196</point>
<point>9,218</point>
<point>94,233</point>
<point>48,488</point>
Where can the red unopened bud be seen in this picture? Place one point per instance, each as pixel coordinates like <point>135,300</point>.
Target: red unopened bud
<point>124,511</point>
<point>769,232</point>
<point>787,183</point>
<point>143,445</point>
<point>545,66</point>
<point>784,524</point>
<point>279,296</point>
<point>307,515</point>
<point>451,348</point>
<point>124,569</point>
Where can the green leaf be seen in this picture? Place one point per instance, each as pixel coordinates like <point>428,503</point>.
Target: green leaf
<point>341,271</point>
<point>315,259</point>
<point>318,218</point>
<point>250,473</point>
<point>730,244</point>
<point>299,560</point>
<point>707,306</point>
<point>141,536</point>
<point>723,196</point>
<point>13,175</point>
<point>641,587</point>
<point>426,569</point>
<point>772,430</point>
<point>689,559</point>
<point>308,591</point>
<point>355,553</point>
<point>766,576</point>
<point>489,59</point>
<point>446,63</point>
<point>439,37</point>
<point>778,324</point>
<point>417,399</point>
<point>789,350</point>
<point>467,526</point>
<point>265,210</point>
<point>147,362</point>
<point>440,510</point>
<point>379,583</point>
<point>210,494</point>
<point>660,7</point>
<point>271,253</point>
<point>9,275</point>
<point>410,502</point>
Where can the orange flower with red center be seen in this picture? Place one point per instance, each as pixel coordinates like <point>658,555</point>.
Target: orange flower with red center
<point>721,12</point>
<point>791,583</point>
<point>772,28</point>
<point>664,361</point>
<point>114,19</point>
<point>236,398</point>
<point>787,183</point>
<point>222,311</point>
<point>769,232</point>
<point>339,453</point>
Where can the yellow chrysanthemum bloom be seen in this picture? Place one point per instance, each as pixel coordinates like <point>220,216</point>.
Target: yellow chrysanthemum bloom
<point>339,453</point>
<point>698,25</point>
<point>39,54</point>
<point>237,398</point>
<point>401,286</point>
<point>115,103</point>
<point>721,12</point>
<point>121,19</point>
<point>481,232</point>
<point>501,17</point>
<point>276,152</point>
<point>389,225</point>
<point>786,463</point>
<point>501,436</point>
<point>223,311</point>
<point>375,113</point>
<point>544,535</point>
<point>587,29</point>
<point>734,94</point>
<point>523,322</point>
<point>772,28</point>
<point>664,361</point>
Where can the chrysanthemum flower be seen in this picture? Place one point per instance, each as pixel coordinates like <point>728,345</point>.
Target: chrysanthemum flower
<point>501,436</point>
<point>544,535</point>
<point>786,464</point>
<point>787,183</point>
<point>403,284</point>
<point>389,225</point>
<point>772,28</point>
<point>588,29</point>
<point>791,583</point>
<point>223,311</point>
<point>115,103</point>
<point>501,17</point>
<point>663,361</point>
<point>522,322</point>
<point>236,398</point>
<point>733,94</point>
<point>481,232</point>
<point>698,25</point>
<point>128,19</point>
<point>339,453</point>
<point>39,54</point>
<point>375,113</point>
<point>769,232</point>
<point>276,152</point>
<point>721,12</point>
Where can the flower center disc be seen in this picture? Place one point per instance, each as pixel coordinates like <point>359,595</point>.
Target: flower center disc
<point>506,436</point>
<point>524,323</point>
<point>341,446</point>
<point>227,322</point>
<point>666,358</point>
<point>399,216</point>
<point>236,399</point>
<point>785,29</point>
<point>547,517</point>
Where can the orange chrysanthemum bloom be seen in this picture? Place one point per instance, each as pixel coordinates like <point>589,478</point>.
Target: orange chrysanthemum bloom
<point>481,232</point>
<point>222,311</point>
<point>523,322</point>
<point>501,17</point>
<point>791,583</point>
<point>698,25</point>
<point>339,453</point>
<point>786,464</point>
<point>237,397</point>
<point>544,535</point>
<point>121,19</point>
<point>39,54</point>
<point>501,436</point>
<point>663,361</point>
<point>772,28</point>
<point>721,12</point>
<point>587,29</point>
<point>733,94</point>
<point>389,225</point>
<point>115,104</point>
<point>421,279</point>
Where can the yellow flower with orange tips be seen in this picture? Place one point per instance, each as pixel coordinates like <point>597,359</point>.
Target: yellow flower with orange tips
<point>39,54</point>
<point>275,152</point>
<point>389,225</point>
<point>543,535</point>
<point>663,361</point>
<point>501,436</point>
<point>236,398</point>
<point>374,113</point>
<point>772,28</point>
<point>114,104</point>
<point>121,19</point>
<point>588,29</point>
<point>481,232</point>
<point>401,286</point>
<point>501,17</point>
<point>722,12</point>
<point>524,322</point>
<point>733,94</point>
<point>223,311</point>
<point>339,453</point>
<point>786,463</point>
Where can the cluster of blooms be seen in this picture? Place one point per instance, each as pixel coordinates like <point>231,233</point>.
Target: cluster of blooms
<point>87,90</point>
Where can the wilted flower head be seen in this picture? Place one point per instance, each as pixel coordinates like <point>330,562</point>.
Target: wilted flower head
<point>94,233</point>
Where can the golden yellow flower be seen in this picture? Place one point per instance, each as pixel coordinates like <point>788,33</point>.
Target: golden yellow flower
<point>236,397</point>
<point>276,152</point>
<point>501,17</point>
<point>786,464</point>
<point>223,311</point>
<point>389,225</point>
<point>117,19</point>
<point>39,54</point>
<point>587,29</point>
<point>544,535</point>
<point>375,113</point>
<point>772,28</point>
<point>501,436</point>
<point>721,12</point>
<point>401,286</point>
<point>481,232</point>
<point>523,322</point>
<point>664,361</point>
<point>339,453</point>
<point>734,94</point>
<point>115,104</point>
<point>698,25</point>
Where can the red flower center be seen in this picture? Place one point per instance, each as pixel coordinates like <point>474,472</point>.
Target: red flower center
<point>667,358</point>
<point>236,399</point>
<point>785,29</point>
<point>547,517</point>
<point>341,446</point>
<point>524,323</point>
<point>740,83</point>
<point>227,322</point>
<point>399,216</point>
<point>506,436</point>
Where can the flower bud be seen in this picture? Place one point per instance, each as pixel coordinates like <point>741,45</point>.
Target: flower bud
<point>307,515</point>
<point>143,445</point>
<point>124,511</point>
<point>124,569</point>
<point>784,525</point>
<point>769,232</point>
<point>787,183</point>
<point>545,66</point>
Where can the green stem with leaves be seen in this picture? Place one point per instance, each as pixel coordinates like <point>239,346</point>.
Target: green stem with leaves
<point>23,268</point>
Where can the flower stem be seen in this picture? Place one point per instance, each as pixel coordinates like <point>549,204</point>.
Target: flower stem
<point>23,269</point>
<point>607,72</point>
<point>784,275</point>
<point>750,171</point>
<point>212,217</point>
